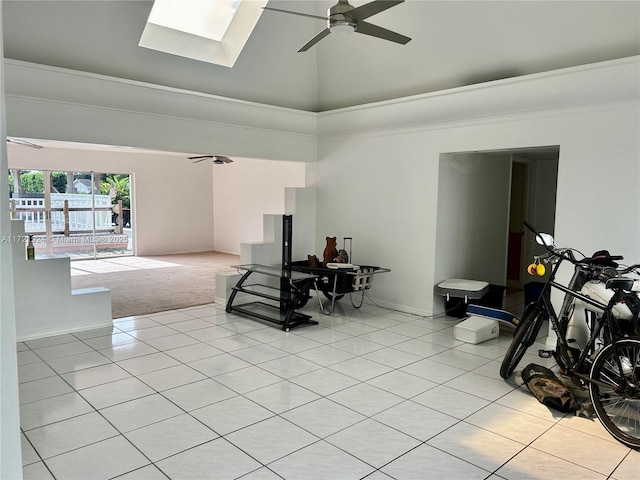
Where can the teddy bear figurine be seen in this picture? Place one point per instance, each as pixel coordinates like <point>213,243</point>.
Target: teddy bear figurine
<point>312,261</point>
<point>330,251</point>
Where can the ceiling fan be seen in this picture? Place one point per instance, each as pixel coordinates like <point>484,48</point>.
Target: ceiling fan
<point>24,143</point>
<point>345,18</point>
<point>217,159</point>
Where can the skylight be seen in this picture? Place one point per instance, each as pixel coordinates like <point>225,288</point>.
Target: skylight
<point>209,19</point>
<point>213,31</point>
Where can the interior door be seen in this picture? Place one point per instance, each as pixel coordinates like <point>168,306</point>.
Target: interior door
<point>516,233</point>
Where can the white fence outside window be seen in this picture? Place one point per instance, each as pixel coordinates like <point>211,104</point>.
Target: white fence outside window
<point>78,220</point>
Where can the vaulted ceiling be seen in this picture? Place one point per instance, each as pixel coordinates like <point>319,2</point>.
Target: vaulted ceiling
<point>454,43</point>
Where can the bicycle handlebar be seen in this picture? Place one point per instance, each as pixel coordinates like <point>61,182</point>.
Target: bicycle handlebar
<point>630,269</point>
<point>601,259</point>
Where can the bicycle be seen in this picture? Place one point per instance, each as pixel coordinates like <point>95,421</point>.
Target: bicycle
<point>609,363</point>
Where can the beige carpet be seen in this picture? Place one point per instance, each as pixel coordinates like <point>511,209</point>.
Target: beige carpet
<point>144,285</point>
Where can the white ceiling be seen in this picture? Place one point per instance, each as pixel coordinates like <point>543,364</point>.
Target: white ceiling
<point>455,43</point>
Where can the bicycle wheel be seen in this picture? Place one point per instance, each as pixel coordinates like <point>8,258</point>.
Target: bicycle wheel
<point>616,396</point>
<point>524,336</point>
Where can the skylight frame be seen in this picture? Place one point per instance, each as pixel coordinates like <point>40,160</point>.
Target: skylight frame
<point>225,52</point>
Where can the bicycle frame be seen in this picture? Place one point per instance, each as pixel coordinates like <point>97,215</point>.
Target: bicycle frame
<point>607,363</point>
<point>572,295</point>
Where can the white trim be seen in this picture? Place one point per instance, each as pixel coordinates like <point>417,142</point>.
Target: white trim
<point>474,122</point>
<point>420,313</point>
<point>74,122</point>
<point>627,61</point>
<point>135,83</point>
<point>164,115</point>
<point>50,332</point>
<point>531,95</point>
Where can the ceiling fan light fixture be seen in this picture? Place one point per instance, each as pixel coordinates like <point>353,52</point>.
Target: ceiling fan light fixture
<point>338,22</point>
<point>343,28</point>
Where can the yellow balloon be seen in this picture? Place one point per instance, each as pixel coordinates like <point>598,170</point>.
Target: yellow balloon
<point>540,270</point>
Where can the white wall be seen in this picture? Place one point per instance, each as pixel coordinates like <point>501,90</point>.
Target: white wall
<point>10,455</point>
<point>378,164</point>
<point>378,168</point>
<point>243,192</point>
<point>45,304</point>
<point>172,205</point>
<point>598,197</point>
<point>301,203</point>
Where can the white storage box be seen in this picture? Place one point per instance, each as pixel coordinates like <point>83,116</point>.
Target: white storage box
<point>462,288</point>
<point>476,330</point>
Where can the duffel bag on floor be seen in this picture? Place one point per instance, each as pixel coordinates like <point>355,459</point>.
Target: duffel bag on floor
<point>548,388</point>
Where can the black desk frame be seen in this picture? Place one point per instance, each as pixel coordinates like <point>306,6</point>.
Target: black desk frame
<point>293,288</point>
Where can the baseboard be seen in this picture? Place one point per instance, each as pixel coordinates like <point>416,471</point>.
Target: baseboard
<point>397,307</point>
<point>51,332</point>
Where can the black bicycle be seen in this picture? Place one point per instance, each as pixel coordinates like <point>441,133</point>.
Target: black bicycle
<point>609,363</point>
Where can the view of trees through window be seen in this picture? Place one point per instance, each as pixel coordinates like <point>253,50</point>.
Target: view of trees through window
<point>77,214</point>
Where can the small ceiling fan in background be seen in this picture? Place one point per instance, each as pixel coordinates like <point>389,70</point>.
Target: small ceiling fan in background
<point>345,18</point>
<point>24,143</point>
<point>217,159</point>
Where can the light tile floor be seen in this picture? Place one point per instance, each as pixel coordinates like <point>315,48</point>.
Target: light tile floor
<point>369,393</point>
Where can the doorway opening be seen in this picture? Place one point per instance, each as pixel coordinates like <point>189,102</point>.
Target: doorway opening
<point>482,199</point>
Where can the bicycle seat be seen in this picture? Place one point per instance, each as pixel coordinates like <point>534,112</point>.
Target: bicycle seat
<point>620,283</point>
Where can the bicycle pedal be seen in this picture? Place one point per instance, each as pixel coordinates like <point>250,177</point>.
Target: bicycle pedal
<point>545,353</point>
<point>586,410</point>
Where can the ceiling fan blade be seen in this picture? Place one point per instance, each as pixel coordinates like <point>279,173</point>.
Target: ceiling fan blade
<point>295,13</point>
<point>315,40</point>
<point>376,31</point>
<point>370,9</point>
<point>216,159</point>
<point>24,143</point>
